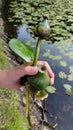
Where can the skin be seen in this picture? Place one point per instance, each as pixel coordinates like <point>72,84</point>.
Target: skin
<point>10,78</point>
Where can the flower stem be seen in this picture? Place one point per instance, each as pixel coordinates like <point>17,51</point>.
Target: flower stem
<point>27,104</point>
<point>37,52</point>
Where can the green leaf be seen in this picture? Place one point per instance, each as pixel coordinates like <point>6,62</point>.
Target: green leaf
<point>71,69</point>
<point>62,75</point>
<point>51,89</point>
<point>70,77</point>
<point>63,63</point>
<point>68,89</point>
<point>21,49</point>
<point>41,95</point>
<point>68,92</point>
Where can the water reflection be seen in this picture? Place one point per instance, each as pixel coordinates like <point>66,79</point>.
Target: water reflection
<point>59,106</point>
<point>23,34</point>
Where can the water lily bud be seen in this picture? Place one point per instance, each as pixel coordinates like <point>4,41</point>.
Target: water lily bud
<point>42,30</point>
<point>41,80</point>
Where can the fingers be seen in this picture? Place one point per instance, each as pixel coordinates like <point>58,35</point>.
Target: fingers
<point>31,70</point>
<point>50,72</point>
<point>23,70</point>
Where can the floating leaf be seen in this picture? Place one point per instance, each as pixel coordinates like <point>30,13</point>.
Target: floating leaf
<point>21,49</point>
<point>57,57</point>
<point>41,95</point>
<point>62,74</point>
<point>51,89</point>
<point>70,55</point>
<point>59,19</point>
<point>68,89</point>
<point>70,77</point>
<point>67,86</point>
<point>63,63</point>
<point>68,92</point>
<point>71,69</point>
<point>47,53</point>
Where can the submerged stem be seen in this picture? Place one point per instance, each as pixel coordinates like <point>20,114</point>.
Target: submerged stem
<point>37,52</point>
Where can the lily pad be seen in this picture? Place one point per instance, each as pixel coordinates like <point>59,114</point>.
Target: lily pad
<point>63,63</point>
<point>68,89</point>
<point>51,89</point>
<point>62,74</point>
<point>41,95</point>
<point>70,77</point>
<point>71,69</point>
<point>21,49</point>
<point>70,55</point>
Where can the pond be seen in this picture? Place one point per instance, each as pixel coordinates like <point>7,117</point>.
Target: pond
<point>59,106</point>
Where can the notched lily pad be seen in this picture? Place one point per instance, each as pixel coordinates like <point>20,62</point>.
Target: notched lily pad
<point>68,89</point>
<point>51,89</point>
<point>62,75</point>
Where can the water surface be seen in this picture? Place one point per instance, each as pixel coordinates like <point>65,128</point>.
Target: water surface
<point>59,106</point>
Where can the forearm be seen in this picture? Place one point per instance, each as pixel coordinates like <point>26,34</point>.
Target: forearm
<point>3,76</point>
<point>9,79</point>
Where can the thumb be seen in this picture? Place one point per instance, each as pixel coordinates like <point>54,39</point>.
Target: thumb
<point>31,70</point>
<point>25,70</point>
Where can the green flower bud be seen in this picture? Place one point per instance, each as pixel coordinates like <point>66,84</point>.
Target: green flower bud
<point>42,30</point>
<point>39,81</point>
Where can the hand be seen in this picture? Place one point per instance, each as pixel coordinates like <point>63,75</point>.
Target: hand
<point>11,78</point>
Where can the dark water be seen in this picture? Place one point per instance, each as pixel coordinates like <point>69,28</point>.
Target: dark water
<point>59,106</point>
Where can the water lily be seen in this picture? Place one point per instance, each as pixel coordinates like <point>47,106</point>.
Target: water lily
<point>42,30</point>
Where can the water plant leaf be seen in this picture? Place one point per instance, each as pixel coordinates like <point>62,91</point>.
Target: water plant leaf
<point>68,89</point>
<point>57,57</point>
<point>60,21</point>
<point>41,95</point>
<point>71,69</point>
<point>51,89</point>
<point>21,49</point>
<point>69,54</point>
<point>63,63</point>
<point>70,77</point>
<point>62,74</point>
<point>46,53</point>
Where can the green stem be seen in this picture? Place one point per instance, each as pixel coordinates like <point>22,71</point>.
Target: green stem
<point>27,104</point>
<point>27,100</point>
<point>37,52</point>
<point>27,86</point>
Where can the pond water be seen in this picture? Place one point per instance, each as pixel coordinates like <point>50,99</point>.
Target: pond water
<point>59,106</point>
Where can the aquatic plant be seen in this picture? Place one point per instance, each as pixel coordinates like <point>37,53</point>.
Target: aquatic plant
<point>40,82</point>
<point>59,12</point>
